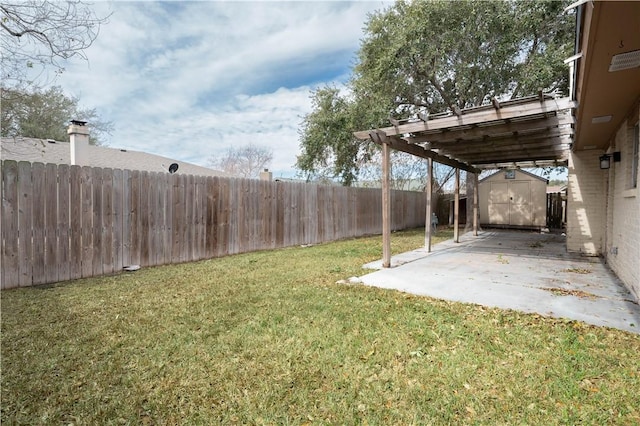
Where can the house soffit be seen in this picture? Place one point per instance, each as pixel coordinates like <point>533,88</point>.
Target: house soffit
<point>608,28</point>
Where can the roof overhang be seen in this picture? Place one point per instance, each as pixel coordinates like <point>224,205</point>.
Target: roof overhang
<point>606,94</point>
<point>527,132</point>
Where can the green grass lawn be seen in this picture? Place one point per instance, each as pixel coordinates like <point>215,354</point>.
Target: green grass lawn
<point>269,338</point>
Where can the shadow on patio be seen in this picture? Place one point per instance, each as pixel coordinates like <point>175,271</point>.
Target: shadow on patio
<point>524,271</point>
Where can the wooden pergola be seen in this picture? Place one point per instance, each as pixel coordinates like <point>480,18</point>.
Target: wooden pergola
<point>535,131</point>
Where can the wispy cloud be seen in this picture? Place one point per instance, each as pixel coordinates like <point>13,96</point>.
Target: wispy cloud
<point>188,79</point>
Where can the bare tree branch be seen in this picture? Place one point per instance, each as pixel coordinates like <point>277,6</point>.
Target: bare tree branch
<point>247,161</point>
<point>36,35</point>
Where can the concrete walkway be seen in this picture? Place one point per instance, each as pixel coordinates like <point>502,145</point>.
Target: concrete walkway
<point>524,271</point>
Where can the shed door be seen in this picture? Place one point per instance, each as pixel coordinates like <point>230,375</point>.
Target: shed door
<point>520,203</point>
<point>510,203</point>
<point>499,203</point>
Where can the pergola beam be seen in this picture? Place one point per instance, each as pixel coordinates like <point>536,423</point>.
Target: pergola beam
<point>386,206</point>
<point>555,162</point>
<point>399,144</point>
<point>479,116</point>
<point>516,145</point>
<point>511,160</point>
<point>429,208</point>
<point>481,131</point>
<point>456,209</point>
<point>522,135</point>
<point>475,205</point>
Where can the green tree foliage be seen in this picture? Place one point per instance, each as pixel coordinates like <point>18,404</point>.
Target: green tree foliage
<point>45,114</point>
<point>326,132</point>
<point>421,57</point>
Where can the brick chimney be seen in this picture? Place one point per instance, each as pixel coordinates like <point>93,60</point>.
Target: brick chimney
<point>266,175</point>
<point>79,140</point>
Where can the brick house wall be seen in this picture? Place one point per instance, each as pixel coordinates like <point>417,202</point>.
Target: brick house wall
<point>586,203</point>
<point>603,216</point>
<point>622,238</point>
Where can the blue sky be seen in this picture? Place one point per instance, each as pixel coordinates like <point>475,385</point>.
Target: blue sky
<point>186,80</point>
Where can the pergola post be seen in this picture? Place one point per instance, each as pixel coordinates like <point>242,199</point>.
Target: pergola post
<point>475,204</point>
<point>456,209</point>
<point>429,190</point>
<point>386,206</point>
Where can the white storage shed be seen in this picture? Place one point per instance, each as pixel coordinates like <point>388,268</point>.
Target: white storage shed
<point>513,198</point>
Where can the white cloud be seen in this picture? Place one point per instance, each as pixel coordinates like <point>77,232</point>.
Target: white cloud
<point>188,79</point>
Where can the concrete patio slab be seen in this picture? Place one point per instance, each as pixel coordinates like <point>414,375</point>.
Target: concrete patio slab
<point>524,271</point>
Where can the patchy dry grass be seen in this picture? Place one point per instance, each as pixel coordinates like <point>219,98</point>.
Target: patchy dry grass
<point>268,338</point>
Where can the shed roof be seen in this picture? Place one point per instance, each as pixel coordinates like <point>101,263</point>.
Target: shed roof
<point>528,174</point>
<point>49,151</point>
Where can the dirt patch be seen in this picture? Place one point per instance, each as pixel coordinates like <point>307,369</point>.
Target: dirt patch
<point>577,270</point>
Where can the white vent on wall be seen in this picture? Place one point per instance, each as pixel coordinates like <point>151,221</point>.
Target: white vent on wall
<point>601,119</point>
<point>625,61</point>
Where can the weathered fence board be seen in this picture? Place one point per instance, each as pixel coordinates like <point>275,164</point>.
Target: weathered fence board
<point>97,237</point>
<point>51,224</point>
<point>64,259</point>
<point>25,216</point>
<point>126,218</point>
<point>210,216</point>
<point>107,222</point>
<point>63,222</point>
<point>144,216</point>
<point>75,231</point>
<point>86,221</point>
<point>10,244</point>
<point>117,213</point>
<point>135,235</point>
<point>38,223</point>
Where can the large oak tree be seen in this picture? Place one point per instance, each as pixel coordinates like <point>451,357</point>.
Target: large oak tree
<point>421,57</point>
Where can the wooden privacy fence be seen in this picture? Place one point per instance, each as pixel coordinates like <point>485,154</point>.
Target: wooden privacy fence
<point>63,222</point>
<point>556,210</point>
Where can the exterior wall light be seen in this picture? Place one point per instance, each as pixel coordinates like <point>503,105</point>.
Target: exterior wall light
<point>605,159</point>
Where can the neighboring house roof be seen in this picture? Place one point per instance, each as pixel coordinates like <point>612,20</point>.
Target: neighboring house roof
<point>553,189</point>
<point>49,151</point>
<point>517,171</point>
